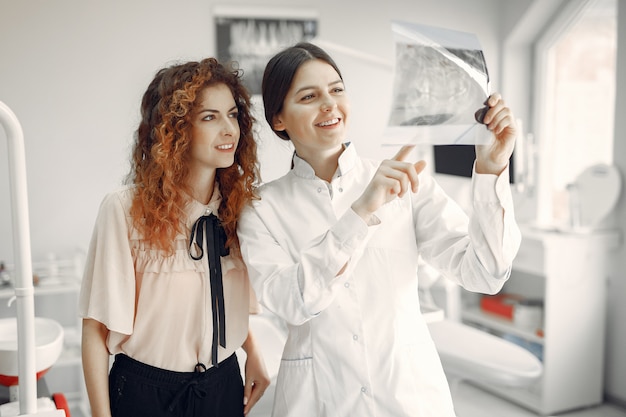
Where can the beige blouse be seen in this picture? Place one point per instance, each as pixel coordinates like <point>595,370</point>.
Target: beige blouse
<point>157,306</point>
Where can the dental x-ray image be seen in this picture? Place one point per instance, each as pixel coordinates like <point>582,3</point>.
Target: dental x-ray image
<point>441,80</point>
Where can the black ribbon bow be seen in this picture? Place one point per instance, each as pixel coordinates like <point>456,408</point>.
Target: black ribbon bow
<point>216,247</point>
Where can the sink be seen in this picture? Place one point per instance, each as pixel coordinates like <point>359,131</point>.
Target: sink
<point>48,347</point>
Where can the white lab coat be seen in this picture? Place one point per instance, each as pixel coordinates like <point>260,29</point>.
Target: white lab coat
<point>357,343</point>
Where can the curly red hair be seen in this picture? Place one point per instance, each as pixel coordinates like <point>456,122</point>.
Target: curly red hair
<point>159,167</point>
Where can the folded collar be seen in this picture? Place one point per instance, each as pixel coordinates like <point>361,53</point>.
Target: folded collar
<point>346,162</point>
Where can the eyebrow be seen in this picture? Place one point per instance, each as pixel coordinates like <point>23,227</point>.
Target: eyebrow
<point>216,111</point>
<point>339,81</point>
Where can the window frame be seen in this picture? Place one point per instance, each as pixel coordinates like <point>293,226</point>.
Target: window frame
<point>570,14</point>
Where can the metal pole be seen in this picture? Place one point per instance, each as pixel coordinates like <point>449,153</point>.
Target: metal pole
<point>24,291</point>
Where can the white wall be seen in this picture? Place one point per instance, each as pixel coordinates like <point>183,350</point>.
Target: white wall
<point>74,70</point>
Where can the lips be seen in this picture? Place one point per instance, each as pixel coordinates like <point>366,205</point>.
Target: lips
<point>330,122</point>
<point>226,146</point>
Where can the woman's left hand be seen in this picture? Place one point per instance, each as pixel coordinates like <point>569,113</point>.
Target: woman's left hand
<point>257,378</point>
<point>499,119</point>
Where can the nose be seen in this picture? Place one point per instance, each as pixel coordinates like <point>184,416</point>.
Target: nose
<point>328,104</point>
<point>230,127</point>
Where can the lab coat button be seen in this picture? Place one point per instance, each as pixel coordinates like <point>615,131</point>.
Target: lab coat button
<point>355,337</point>
<point>340,190</point>
<point>363,389</point>
<point>346,284</point>
<point>319,190</point>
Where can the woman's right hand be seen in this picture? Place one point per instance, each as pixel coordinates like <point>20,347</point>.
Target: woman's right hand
<point>393,178</point>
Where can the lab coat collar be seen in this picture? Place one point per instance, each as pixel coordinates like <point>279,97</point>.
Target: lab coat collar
<point>346,162</point>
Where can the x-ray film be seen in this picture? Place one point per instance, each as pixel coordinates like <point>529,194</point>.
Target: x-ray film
<point>440,81</point>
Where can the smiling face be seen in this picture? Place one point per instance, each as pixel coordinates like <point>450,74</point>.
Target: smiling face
<point>315,109</point>
<point>215,130</point>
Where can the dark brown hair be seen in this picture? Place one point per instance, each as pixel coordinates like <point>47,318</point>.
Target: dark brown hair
<point>279,74</point>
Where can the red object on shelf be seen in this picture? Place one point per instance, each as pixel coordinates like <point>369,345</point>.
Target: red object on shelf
<point>502,305</point>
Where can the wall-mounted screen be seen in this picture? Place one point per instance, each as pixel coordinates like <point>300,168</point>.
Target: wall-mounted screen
<point>459,159</point>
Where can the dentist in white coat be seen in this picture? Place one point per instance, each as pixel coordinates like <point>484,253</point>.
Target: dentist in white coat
<point>332,248</point>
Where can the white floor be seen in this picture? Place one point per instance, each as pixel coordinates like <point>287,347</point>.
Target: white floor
<point>471,401</point>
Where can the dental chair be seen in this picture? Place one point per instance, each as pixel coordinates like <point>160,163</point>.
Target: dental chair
<point>469,354</point>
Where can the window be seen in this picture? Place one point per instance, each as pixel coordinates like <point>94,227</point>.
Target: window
<point>576,88</point>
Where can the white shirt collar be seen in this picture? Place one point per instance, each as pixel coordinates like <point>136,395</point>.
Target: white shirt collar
<point>346,162</point>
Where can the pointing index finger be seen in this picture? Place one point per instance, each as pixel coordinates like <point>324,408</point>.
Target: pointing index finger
<point>403,152</point>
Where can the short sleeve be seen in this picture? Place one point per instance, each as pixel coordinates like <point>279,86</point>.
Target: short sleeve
<point>108,288</point>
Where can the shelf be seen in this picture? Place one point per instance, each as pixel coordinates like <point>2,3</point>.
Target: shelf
<point>47,286</point>
<point>568,271</point>
<point>475,315</point>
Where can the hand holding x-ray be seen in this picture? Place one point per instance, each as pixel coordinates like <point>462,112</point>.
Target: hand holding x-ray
<point>440,82</point>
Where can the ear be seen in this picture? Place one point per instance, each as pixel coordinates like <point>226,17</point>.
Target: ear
<point>278,124</point>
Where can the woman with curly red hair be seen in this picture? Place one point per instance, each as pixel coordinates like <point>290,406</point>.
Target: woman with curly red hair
<point>165,289</point>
